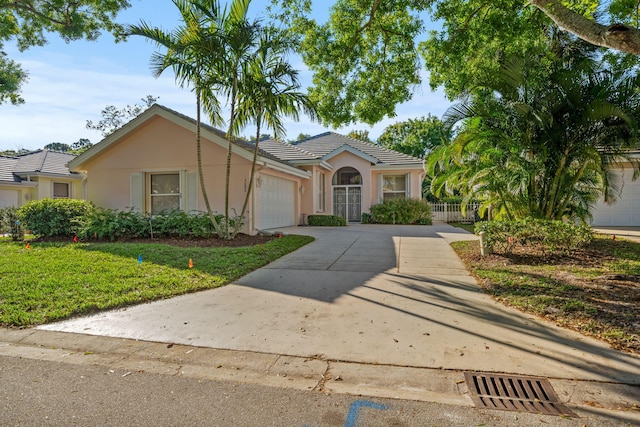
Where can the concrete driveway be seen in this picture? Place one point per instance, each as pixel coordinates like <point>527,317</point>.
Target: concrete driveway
<point>384,295</point>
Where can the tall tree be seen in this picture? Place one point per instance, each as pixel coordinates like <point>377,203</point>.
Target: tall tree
<point>415,137</point>
<point>114,118</point>
<point>269,91</point>
<point>368,56</point>
<point>190,50</point>
<point>28,21</point>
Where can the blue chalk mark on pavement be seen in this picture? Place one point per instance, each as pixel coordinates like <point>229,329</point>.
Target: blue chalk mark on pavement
<point>352,416</point>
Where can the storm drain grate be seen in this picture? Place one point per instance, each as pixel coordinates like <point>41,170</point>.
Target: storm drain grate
<point>515,393</point>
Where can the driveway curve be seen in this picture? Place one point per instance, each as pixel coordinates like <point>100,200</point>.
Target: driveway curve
<point>386,295</point>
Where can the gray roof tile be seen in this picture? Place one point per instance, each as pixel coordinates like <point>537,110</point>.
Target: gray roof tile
<point>44,161</point>
<point>6,169</point>
<point>325,143</point>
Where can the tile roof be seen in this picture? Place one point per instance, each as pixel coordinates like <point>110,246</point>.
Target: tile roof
<point>6,169</point>
<point>43,161</point>
<point>286,151</point>
<point>325,143</point>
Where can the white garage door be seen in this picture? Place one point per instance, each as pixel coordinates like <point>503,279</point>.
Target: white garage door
<point>8,198</point>
<point>625,212</point>
<point>277,203</point>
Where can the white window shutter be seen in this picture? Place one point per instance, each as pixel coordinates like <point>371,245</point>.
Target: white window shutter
<point>137,191</point>
<point>189,191</point>
<point>380,188</point>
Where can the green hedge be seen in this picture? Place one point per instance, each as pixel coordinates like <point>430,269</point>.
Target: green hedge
<point>548,236</point>
<point>327,220</point>
<point>401,211</point>
<point>59,217</point>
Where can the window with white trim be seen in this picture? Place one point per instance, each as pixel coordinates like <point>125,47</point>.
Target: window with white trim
<point>164,194</point>
<point>321,192</point>
<point>61,190</point>
<point>394,187</point>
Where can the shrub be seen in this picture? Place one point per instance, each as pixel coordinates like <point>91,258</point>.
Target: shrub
<point>10,223</point>
<point>366,218</point>
<point>59,217</point>
<point>548,236</point>
<point>327,220</point>
<point>402,211</point>
<point>112,224</point>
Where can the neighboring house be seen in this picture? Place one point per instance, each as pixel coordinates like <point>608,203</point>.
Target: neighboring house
<point>38,175</point>
<point>150,165</point>
<point>625,211</point>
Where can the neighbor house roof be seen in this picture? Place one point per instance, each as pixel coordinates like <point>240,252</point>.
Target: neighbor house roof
<point>330,143</point>
<point>6,169</point>
<point>16,170</point>
<point>44,162</point>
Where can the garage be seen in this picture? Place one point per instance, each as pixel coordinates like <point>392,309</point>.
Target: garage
<point>8,198</point>
<point>276,202</point>
<point>625,212</point>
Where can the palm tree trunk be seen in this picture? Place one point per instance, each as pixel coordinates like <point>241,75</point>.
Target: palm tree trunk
<point>253,166</point>
<point>203,189</point>
<point>234,91</point>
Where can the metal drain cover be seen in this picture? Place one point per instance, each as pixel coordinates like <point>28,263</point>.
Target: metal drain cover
<point>515,393</point>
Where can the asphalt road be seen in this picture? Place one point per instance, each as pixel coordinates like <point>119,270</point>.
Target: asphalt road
<point>46,393</point>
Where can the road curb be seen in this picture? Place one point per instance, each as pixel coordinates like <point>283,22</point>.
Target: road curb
<point>587,398</point>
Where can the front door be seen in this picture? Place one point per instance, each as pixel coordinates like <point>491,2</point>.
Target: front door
<point>347,202</point>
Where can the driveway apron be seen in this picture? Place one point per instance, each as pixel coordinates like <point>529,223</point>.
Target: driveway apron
<point>389,295</point>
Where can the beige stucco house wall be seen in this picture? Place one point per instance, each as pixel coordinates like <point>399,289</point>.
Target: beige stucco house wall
<point>159,146</point>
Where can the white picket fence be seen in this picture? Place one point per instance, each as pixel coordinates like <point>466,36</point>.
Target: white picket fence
<point>452,212</point>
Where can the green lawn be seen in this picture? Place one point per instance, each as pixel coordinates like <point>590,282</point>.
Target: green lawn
<point>53,281</point>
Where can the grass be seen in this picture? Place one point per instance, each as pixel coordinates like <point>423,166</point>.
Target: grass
<point>464,225</point>
<point>54,281</point>
<point>595,290</point>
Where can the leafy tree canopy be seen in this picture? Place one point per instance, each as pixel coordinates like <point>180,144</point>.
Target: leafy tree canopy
<point>368,56</point>
<point>29,21</point>
<point>361,135</point>
<point>415,137</point>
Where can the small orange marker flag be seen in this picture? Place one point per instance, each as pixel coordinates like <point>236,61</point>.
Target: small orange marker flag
<point>28,246</point>
<point>75,239</point>
<point>190,263</point>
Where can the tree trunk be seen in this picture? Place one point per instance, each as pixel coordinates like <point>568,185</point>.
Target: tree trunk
<point>616,36</point>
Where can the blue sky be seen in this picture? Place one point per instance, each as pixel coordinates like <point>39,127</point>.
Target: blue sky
<point>71,83</point>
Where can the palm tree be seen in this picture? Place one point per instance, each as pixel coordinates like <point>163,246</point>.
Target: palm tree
<point>542,150</point>
<point>191,50</point>
<point>268,92</point>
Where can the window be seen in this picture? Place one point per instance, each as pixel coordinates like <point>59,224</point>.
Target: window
<point>60,190</point>
<point>347,176</point>
<point>394,187</point>
<point>165,192</point>
<point>321,192</point>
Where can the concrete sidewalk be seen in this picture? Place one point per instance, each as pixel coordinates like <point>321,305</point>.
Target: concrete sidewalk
<point>387,310</point>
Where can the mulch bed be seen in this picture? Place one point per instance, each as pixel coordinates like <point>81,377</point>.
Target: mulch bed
<point>615,297</point>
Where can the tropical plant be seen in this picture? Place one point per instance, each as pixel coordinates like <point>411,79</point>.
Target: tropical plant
<point>269,91</point>
<point>546,150</point>
<point>192,51</point>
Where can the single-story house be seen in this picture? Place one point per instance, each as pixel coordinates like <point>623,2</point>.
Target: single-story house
<point>150,165</point>
<point>625,211</point>
<point>38,175</point>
